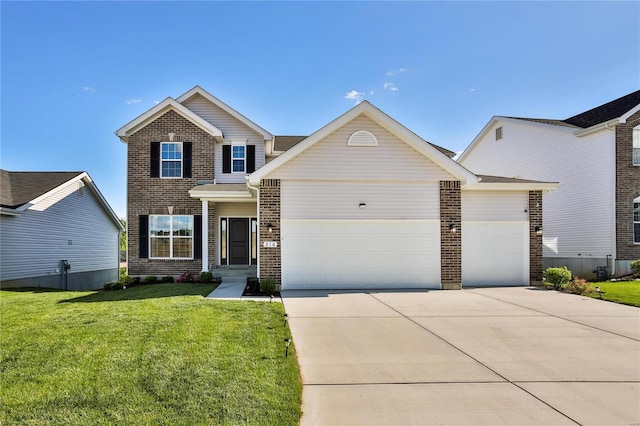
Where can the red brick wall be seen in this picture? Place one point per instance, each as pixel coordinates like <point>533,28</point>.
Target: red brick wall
<point>270,257</point>
<point>146,195</point>
<point>535,239</point>
<point>627,189</point>
<point>450,242</point>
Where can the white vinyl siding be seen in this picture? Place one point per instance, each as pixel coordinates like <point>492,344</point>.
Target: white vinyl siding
<point>65,225</point>
<point>333,159</point>
<point>232,129</point>
<point>341,200</point>
<point>579,217</point>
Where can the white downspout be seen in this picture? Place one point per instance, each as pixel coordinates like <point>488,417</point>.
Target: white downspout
<point>257,189</point>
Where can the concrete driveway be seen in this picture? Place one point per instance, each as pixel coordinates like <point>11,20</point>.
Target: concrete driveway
<point>513,356</point>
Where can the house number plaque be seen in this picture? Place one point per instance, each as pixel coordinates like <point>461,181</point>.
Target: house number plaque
<point>270,244</point>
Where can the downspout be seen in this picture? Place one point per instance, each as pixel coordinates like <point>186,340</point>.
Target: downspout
<point>257,189</point>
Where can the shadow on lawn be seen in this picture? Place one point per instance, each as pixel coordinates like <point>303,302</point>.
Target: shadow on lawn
<point>151,291</point>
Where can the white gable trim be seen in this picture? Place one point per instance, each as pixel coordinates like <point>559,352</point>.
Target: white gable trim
<point>197,90</point>
<point>382,119</point>
<point>168,104</point>
<point>625,117</point>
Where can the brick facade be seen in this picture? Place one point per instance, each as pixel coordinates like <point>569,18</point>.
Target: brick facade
<point>450,242</point>
<point>146,195</point>
<point>627,189</point>
<point>535,238</point>
<point>270,257</point>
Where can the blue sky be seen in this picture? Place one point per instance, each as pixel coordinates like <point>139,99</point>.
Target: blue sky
<point>74,72</point>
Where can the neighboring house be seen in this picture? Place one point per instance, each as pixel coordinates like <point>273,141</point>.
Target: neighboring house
<point>49,219</point>
<point>361,203</point>
<point>594,218</point>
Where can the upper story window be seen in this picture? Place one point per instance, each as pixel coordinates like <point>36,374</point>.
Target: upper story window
<point>238,158</point>
<point>171,237</point>
<point>636,220</point>
<point>171,158</point>
<point>636,146</point>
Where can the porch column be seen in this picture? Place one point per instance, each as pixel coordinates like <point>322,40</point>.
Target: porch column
<point>205,236</point>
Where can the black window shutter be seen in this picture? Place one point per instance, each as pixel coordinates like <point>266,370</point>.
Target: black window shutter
<point>226,158</point>
<point>143,240</point>
<point>251,158</point>
<point>155,159</point>
<point>187,148</point>
<point>197,236</point>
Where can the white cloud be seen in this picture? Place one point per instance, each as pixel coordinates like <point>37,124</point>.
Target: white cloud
<point>132,101</point>
<point>395,72</point>
<point>88,89</point>
<point>391,87</point>
<point>354,95</point>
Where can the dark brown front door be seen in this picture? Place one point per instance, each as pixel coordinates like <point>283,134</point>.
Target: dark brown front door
<point>238,241</point>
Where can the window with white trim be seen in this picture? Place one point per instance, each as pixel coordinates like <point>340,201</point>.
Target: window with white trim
<point>238,158</point>
<point>171,237</point>
<point>636,146</point>
<point>636,220</point>
<point>171,160</point>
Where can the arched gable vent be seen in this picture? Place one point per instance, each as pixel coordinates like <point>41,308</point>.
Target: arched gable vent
<point>362,138</point>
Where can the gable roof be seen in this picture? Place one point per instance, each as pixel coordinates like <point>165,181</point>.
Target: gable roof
<point>21,190</point>
<point>382,119</point>
<point>163,107</point>
<point>284,143</point>
<point>197,90</point>
<point>600,114</point>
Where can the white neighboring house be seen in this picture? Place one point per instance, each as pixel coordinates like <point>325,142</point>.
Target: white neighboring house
<point>48,219</point>
<point>593,219</point>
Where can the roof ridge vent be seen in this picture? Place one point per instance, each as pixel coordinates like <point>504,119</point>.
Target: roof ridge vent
<point>362,138</point>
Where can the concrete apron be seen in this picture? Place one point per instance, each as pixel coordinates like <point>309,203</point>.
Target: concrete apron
<point>483,356</point>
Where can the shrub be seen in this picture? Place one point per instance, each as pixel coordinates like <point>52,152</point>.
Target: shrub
<point>108,286</point>
<point>123,274</point>
<point>187,277</point>
<point>117,286</point>
<point>205,277</point>
<point>579,286</point>
<point>151,279</point>
<point>167,279</point>
<point>635,267</point>
<point>558,277</point>
<point>267,285</point>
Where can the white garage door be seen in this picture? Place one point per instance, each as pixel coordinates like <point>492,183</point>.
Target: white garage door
<point>356,254</point>
<point>495,254</point>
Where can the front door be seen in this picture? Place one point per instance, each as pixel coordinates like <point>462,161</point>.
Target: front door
<point>238,241</point>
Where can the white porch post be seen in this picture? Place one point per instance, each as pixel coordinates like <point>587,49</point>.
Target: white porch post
<point>205,236</point>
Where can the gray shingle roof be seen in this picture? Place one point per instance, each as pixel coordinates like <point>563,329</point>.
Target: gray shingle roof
<point>18,188</point>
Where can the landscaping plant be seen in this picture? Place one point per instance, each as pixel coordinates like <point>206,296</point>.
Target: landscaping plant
<point>579,286</point>
<point>557,277</point>
<point>267,286</point>
<point>635,267</point>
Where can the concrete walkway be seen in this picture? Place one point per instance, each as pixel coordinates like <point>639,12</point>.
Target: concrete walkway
<point>512,356</point>
<point>231,288</point>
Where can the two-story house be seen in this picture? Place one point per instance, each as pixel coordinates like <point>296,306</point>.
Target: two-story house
<point>593,219</point>
<point>361,203</point>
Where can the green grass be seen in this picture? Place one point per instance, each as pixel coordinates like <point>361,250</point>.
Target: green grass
<point>158,355</point>
<point>625,292</point>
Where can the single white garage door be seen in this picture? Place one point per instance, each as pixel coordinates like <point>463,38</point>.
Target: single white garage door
<point>495,254</point>
<point>357,254</point>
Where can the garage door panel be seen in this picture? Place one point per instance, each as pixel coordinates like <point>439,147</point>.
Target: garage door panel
<point>495,253</point>
<point>360,254</point>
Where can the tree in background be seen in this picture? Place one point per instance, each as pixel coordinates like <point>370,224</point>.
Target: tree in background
<point>123,240</point>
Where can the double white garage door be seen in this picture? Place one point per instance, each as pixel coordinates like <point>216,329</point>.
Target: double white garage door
<point>348,252</point>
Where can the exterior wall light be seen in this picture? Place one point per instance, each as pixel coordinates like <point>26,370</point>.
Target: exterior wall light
<point>362,205</point>
<point>453,228</point>
<point>538,230</point>
<point>270,227</point>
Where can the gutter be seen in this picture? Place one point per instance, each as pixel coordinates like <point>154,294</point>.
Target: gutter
<point>607,125</point>
<point>5,211</point>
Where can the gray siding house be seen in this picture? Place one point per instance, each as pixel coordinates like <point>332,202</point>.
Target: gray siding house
<point>49,219</point>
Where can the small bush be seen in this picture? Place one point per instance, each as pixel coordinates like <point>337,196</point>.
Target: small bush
<point>267,286</point>
<point>205,277</point>
<point>635,267</point>
<point>108,286</point>
<point>151,279</point>
<point>557,277</point>
<point>123,274</point>
<point>187,277</point>
<point>117,286</point>
<point>167,279</point>
<point>579,286</point>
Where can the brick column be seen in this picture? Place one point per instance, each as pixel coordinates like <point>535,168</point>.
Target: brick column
<point>450,242</point>
<point>270,257</point>
<point>535,238</point>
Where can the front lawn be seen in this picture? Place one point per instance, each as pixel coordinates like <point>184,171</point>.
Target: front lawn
<point>626,292</point>
<point>158,354</point>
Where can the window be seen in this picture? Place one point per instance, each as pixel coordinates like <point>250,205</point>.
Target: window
<point>171,159</point>
<point>636,146</point>
<point>171,237</point>
<point>238,158</point>
<point>223,241</point>
<point>498,133</point>
<point>636,220</point>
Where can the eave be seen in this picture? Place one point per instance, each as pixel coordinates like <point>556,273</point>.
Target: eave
<point>228,193</point>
